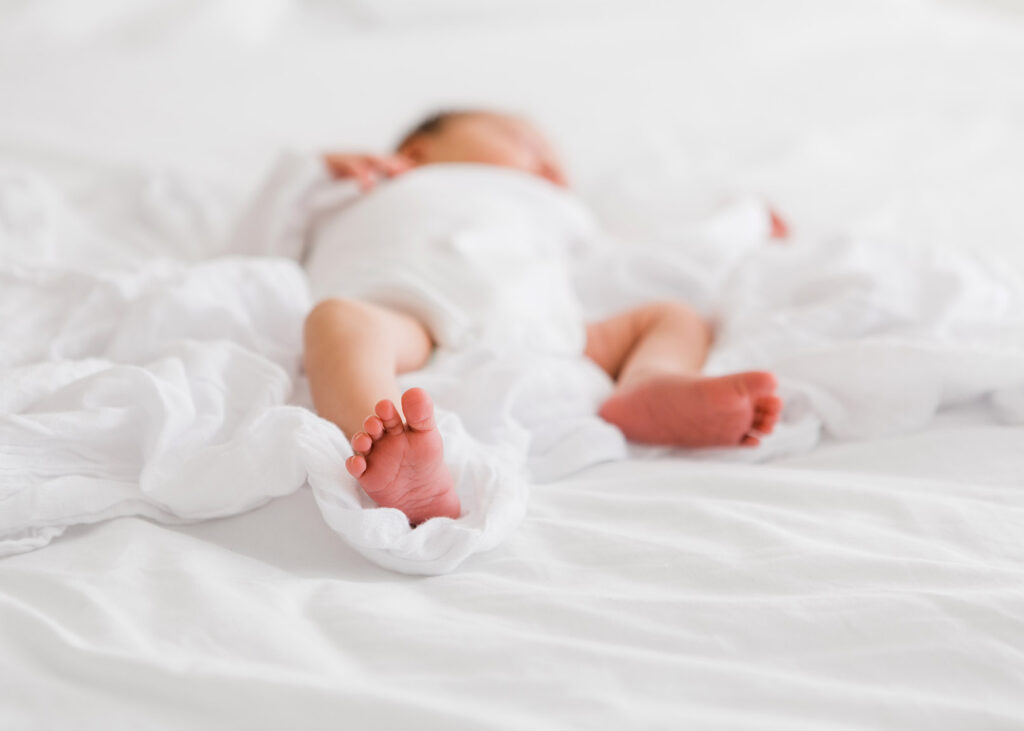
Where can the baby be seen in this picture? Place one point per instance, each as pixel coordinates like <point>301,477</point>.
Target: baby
<point>356,346</point>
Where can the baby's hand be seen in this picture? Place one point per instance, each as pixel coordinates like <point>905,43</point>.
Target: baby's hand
<point>365,169</point>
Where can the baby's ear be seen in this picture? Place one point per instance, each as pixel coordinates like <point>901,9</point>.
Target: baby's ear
<point>413,150</point>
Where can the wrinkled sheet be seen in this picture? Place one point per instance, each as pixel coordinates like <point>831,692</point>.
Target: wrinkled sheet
<point>146,391</point>
<point>864,584</point>
<point>662,594</point>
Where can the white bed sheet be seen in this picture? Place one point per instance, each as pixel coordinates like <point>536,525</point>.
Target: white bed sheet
<point>662,594</point>
<point>864,585</point>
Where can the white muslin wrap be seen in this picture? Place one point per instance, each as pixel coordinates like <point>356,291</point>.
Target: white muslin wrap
<point>174,390</point>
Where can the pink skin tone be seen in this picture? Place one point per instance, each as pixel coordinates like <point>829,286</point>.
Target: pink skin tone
<point>407,471</point>
<point>654,353</point>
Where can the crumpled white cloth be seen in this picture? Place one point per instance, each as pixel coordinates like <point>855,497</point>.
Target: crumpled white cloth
<point>174,391</point>
<point>871,339</point>
<point>169,391</point>
<point>160,391</point>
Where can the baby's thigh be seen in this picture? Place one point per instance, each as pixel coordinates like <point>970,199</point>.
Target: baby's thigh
<point>365,326</point>
<point>610,340</point>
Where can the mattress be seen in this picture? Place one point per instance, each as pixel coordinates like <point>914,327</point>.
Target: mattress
<point>863,584</point>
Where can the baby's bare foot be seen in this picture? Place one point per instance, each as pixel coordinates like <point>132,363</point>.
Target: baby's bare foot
<point>402,465</point>
<point>685,411</point>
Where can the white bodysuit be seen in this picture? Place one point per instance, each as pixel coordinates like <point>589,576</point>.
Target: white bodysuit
<point>479,254</point>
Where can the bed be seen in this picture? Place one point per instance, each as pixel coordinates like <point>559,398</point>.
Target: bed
<point>871,583</point>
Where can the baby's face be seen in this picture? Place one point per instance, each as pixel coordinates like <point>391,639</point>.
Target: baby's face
<point>492,139</point>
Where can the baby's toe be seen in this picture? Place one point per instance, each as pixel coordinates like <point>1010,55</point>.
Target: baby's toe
<point>361,443</point>
<point>766,414</point>
<point>389,416</point>
<point>770,404</point>
<point>419,409</point>
<point>356,465</point>
<point>374,427</point>
<point>759,383</point>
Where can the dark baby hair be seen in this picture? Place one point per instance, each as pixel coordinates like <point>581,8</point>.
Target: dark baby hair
<point>432,124</point>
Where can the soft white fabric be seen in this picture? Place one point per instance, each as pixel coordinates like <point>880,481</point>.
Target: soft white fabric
<point>866,586</point>
<point>870,338</point>
<point>60,22</point>
<point>870,584</point>
<point>167,390</point>
<point>161,391</point>
<point>479,254</point>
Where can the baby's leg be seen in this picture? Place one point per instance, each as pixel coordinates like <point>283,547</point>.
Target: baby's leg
<point>353,353</point>
<point>655,354</point>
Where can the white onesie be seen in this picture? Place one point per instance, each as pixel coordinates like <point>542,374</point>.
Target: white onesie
<point>475,252</point>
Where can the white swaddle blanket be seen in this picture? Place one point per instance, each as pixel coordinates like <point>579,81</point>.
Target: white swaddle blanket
<point>174,391</point>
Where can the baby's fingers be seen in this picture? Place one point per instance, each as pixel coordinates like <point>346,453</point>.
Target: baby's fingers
<point>351,166</point>
<point>395,165</point>
<point>386,166</point>
<point>362,170</point>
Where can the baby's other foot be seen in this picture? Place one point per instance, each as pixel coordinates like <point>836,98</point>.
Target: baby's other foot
<point>402,465</point>
<point>686,411</point>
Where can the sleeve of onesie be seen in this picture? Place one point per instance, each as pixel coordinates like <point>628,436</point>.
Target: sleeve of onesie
<point>278,218</point>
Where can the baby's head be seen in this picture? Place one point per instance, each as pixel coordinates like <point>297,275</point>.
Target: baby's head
<point>482,137</point>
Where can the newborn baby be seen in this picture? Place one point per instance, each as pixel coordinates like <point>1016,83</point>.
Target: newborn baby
<point>377,320</point>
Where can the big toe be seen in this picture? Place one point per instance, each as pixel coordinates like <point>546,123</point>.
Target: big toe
<point>760,383</point>
<point>766,413</point>
<point>765,421</point>
<point>770,405</point>
<point>418,408</point>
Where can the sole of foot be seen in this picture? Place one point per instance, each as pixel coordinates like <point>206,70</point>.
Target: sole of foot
<point>401,464</point>
<point>685,411</point>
